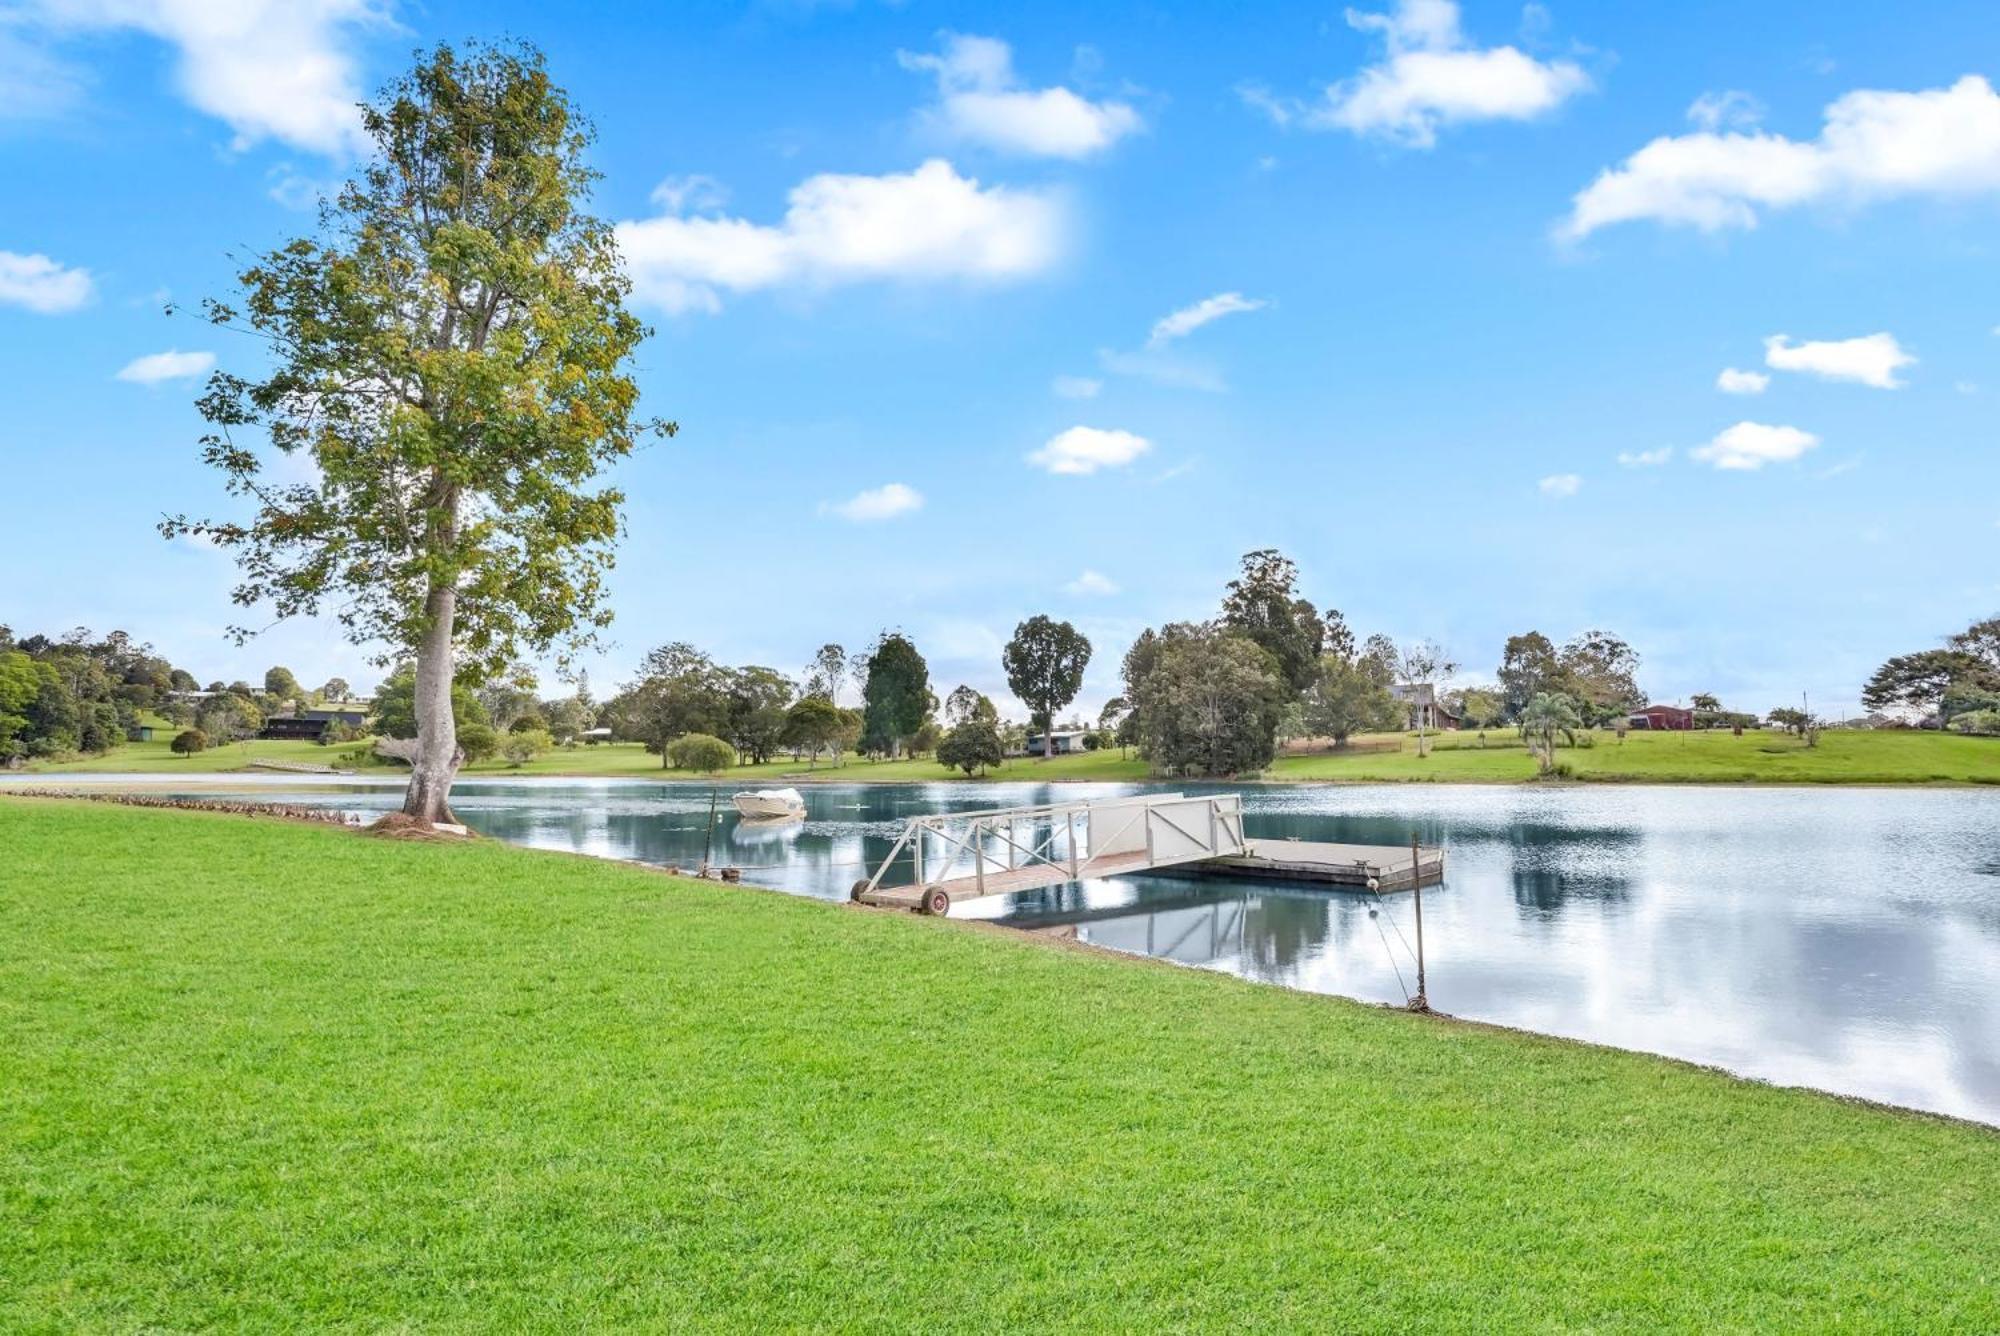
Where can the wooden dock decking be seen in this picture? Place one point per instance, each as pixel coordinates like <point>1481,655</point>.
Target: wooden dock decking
<point>1315,861</point>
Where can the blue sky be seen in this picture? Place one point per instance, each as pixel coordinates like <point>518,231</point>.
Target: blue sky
<point>972,312</point>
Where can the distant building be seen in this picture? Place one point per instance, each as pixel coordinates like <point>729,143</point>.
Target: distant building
<point>1066,742</point>
<point>313,725</point>
<point>1421,706</point>
<point>1671,717</point>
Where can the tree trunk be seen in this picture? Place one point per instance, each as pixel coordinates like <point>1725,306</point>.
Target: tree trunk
<point>438,757</point>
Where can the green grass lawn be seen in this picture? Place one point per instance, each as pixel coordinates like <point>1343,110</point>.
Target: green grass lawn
<point>1858,757</point>
<point>266,1075</point>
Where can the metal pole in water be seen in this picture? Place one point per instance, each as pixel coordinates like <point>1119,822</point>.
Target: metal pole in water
<point>1422,1001</point>
<point>708,840</point>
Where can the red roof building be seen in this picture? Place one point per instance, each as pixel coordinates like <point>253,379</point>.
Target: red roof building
<point>1661,716</point>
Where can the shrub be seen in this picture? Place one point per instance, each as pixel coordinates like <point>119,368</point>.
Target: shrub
<point>1980,723</point>
<point>700,752</point>
<point>972,745</point>
<point>188,742</point>
<point>524,745</point>
<point>477,741</point>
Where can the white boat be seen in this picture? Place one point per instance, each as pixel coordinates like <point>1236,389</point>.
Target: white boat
<point>770,804</point>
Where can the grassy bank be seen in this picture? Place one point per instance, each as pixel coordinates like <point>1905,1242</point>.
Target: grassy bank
<point>269,1075</point>
<point>1858,757</point>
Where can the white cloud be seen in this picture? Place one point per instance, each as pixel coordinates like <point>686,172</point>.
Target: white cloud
<point>1091,584</point>
<point>1733,107</point>
<point>930,223</point>
<point>154,368</point>
<point>41,284</point>
<point>1083,450</point>
<point>1431,77</point>
<point>1752,445</point>
<point>877,503</point>
<point>1872,360</point>
<point>1188,319</point>
<point>1732,381</point>
<point>1645,459</point>
<point>695,193</point>
<point>269,69</point>
<point>1560,485</point>
<point>980,101</point>
<point>1874,145</point>
<point>1075,387</point>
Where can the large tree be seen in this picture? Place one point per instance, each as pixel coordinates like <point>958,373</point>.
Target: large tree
<point>1529,667</point>
<point>1352,693</point>
<point>452,354</point>
<point>967,703</point>
<point>812,723</point>
<point>679,690</point>
<point>827,671</point>
<point>1263,605</point>
<point>1919,681</point>
<point>1209,703</point>
<point>1601,671</point>
<point>895,694</point>
<point>757,698</point>
<point>1045,662</point>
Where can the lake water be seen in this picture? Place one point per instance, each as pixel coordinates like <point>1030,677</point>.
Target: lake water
<point>1847,939</point>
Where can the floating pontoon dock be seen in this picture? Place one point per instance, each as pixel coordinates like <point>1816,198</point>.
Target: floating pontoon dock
<point>960,856</point>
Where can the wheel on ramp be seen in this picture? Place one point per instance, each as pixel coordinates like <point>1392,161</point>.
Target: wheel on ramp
<point>935,901</point>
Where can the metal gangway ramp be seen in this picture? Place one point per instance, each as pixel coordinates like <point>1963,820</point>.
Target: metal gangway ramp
<point>965,855</point>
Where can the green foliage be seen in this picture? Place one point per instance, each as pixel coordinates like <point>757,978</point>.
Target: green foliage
<point>812,724</point>
<point>1791,720</point>
<point>1980,723</point>
<point>1351,694</point>
<point>1545,718</point>
<point>190,742</point>
<point>895,693</point>
<point>1044,663</point>
<point>478,741</point>
<point>76,693</point>
<point>523,745</point>
<point>1596,670</point>
<point>1920,681</point>
<point>336,689</point>
<point>509,697</point>
<point>925,740</point>
<point>969,746</point>
<point>569,717</point>
<point>1208,703</point>
<point>281,685</point>
<point>452,353</point>
<point>1262,605</point>
<point>679,690</point>
<point>395,711</point>
<point>756,702</point>
<point>701,753</point>
<point>965,703</point>
<point>1477,707</point>
<point>230,718</point>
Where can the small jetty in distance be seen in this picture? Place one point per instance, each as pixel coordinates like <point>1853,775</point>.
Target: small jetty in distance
<point>952,857</point>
